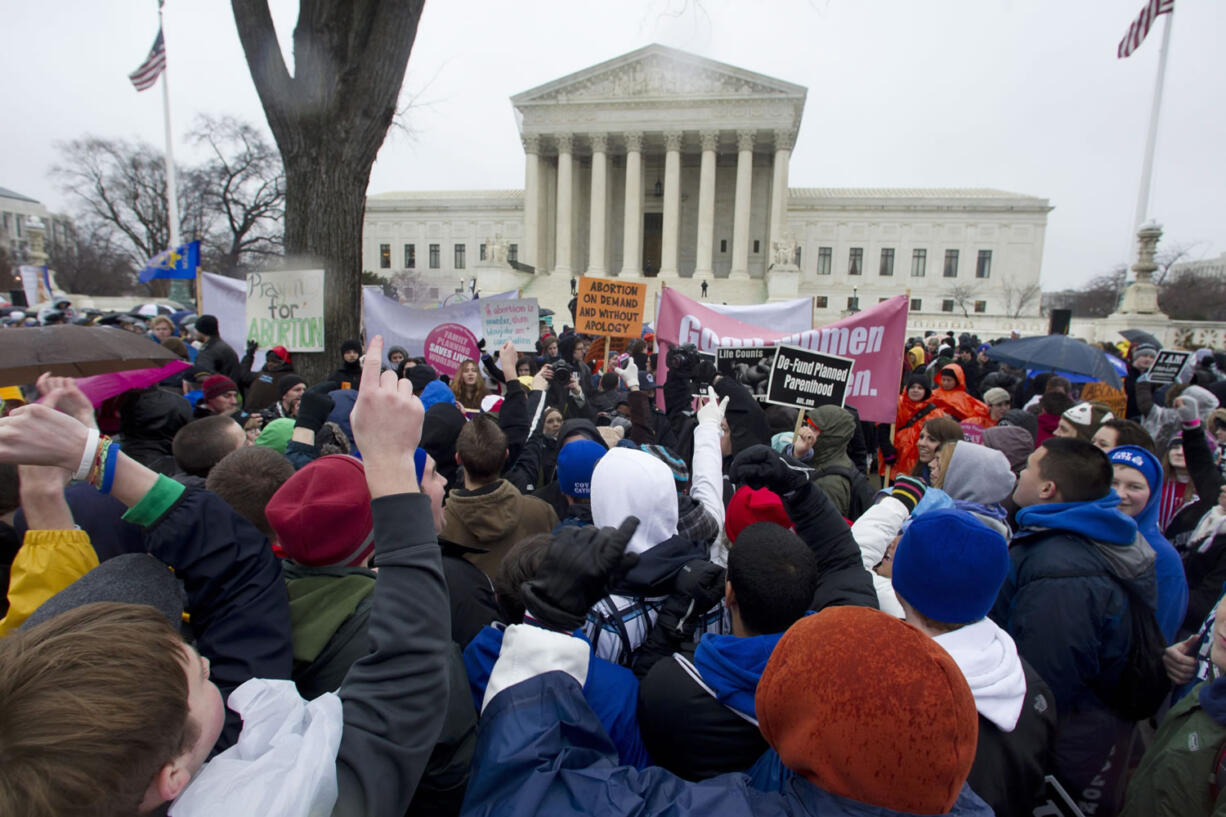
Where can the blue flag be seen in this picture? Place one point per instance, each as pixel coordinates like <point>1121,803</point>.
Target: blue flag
<point>181,262</point>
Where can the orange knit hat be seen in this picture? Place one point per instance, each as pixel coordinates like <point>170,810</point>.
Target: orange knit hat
<point>865,706</point>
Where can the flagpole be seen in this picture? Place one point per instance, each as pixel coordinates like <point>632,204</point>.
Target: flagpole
<point>1147,169</point>
<point>172,193</point>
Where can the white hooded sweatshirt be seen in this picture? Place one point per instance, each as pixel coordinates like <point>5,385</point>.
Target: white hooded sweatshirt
<point>988,659</point>
<point>627,482</point>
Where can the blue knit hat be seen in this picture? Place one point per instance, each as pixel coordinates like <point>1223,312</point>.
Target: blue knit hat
<point>949,566</point>
<point>1136,457</point>
<point>436,391</point>
<point>576,461</point>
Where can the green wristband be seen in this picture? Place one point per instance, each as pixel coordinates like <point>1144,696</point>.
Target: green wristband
<point>164,493</point>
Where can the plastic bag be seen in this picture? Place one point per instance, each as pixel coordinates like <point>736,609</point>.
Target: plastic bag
<point>284,764</point>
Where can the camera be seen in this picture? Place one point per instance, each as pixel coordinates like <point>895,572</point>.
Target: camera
<point>683,359</point>
<point>562,373</point>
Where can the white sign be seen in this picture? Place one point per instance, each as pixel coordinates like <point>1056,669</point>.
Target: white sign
<point>514,320</point>
<point>286,308</point>
<point>407,327</point>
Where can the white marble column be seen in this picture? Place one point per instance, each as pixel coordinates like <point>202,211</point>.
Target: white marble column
<point>779,188</point>
<point>670,239</point>
<point>565,220</point>
<point>706,206</point>
<point>632,232</point>
<point>599,226</point>
<point>740,211</point>
<point>532,199</point>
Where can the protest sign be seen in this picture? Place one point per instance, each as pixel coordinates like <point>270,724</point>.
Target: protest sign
<point>1167,365</point>
<point>407,327</point>
<point>727,357</point>
<point>448,345</point>
<point>873,338</point>
<point>805,380</point>
<point>516,320</point>
<point>286,308</point>
<point>612,308</point>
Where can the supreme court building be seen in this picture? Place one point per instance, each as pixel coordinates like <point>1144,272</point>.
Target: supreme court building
<point>663,166</point>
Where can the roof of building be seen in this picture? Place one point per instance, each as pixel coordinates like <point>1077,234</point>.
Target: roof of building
<point>905,193</point>
<point>5,193</point>
<point>400,195</point>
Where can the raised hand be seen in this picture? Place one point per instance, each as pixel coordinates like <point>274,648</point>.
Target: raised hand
<point>507,358</point>
<point>40,435</point>
<point>712,411</point>
<point>576,572</point>
<point>760,466</point>
<point>386,420</point>
<point>62,393</point>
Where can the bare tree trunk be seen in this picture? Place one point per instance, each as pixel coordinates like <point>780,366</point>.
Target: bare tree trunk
<point>329,120</point>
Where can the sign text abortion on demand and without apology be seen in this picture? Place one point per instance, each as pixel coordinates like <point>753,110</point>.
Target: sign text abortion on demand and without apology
<point>610,308</point>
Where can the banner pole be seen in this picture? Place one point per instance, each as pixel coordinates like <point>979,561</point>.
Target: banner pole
<point>889,468</point>
<point>608,346</point>
<point>800,421</point>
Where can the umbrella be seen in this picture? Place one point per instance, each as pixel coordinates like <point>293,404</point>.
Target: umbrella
<point>151,310</point>
<point>1059,353</point>
<point>100,387</point>
<point>75,351</point>
<point>1135,336</point>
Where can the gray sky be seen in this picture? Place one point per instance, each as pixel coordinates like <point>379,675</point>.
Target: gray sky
<point>1022,95</point>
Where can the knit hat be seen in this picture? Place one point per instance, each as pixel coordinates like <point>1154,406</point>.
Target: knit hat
<point>207,325</point>
<point>276,434</point>
<point>491,403</point>
<point>1140,459</point>
<point>920,380</point>
<point>216,385</point>
<point>749,505</point>
<point>321,515</point>
<point>351,346</point>
<point>867,707</point>
<point>287,382</point>
<point>576,461</point>
<point>281,352</point>
<point>949,566</point>
<point>1145,347</point>
<point>436,391</point>
<point>420,376</point>
<point>996,395</point>
<point>681,473</point>
<point>1087,417</point>
<point>177,346</point>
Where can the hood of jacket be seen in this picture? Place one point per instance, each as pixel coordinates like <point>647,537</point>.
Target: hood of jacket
<point>343,400</point>
<point>582,426</point>
<point>321,599</point>
<point>1212,697</point>
<point>490,512</point>
<point>1022,419</point>
<point>988,658</point>
<point>655,572</point>
<point>439,432</point>
<point>435,392</point>
<point>153,414</point>
<point>1206,401</point>
<point>732,666</point>
<point>958,374</point>
<point>835,429</point>
<point>978,474</point>
<point>1151,469</point>
<point>1100,520</point>
<point>628,482</point>
<point>1015,442</point>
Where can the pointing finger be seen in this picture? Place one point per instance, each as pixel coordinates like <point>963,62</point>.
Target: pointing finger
<point>372,364</point>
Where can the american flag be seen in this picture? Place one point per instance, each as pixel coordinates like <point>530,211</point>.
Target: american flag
<point>147,75</point>
<point>1140,27</point>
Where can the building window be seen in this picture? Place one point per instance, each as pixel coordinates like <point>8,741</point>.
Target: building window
<point>385,256</point>
<point>434,256</point>
<point>481,252</point>
<point>887,262</point>
<point>824,256</point>
<point>983,267</point>
<point>951,263</point>
<point>919,263</point>
<point>855,261</point>
<point>459,256</point>
<point>981,306</point>
<point>916,304</point>
<point>513,254</point>
<point>723,245</point>
<point>852,302</point>
<point>757,246</point>
<point>947,305</point>
<point>821,301</point>
<point>796,259</point>
<point>410,256</point>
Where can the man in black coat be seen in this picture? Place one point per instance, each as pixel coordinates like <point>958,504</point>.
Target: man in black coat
<point>216,355</point>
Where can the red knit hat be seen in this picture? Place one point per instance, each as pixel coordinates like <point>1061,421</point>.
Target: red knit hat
<point>865,706</point>
<point>321,515</point>
<point>749,505</point>
<point>216,385</point>
<point>281,352</point>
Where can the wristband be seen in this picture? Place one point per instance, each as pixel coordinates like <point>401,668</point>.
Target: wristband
<point>108,472</point>
<point>95,471</point>
<point>87,456</point>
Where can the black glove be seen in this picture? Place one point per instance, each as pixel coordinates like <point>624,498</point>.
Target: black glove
<point>313,410</point>
<point>252,345</point>
<point>705,372</point>
<point>760,466</point>
<point>576,573</point>
<point>889,454</point>
<point>699,586</point>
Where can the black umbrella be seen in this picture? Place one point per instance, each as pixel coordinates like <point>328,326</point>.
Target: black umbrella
<point>1057,353</point>
<point>75,351</point>
<point>1135,336</point>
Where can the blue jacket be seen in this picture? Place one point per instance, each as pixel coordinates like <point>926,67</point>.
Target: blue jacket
<point>611,691</point>
<point>1063,601</point>
<point>541,750</point>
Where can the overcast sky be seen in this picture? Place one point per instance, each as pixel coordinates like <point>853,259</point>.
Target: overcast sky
<point>1021,95</point>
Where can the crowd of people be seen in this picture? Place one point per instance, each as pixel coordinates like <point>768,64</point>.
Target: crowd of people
<point>546,584</point>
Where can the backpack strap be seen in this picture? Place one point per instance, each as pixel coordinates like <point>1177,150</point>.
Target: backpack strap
<point>916,417</point>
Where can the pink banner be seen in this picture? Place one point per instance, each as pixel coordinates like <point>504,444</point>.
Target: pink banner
<point>450,344</point>
<point>874,338</point>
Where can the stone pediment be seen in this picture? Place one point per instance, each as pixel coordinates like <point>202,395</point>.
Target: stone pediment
<point>658,72</point>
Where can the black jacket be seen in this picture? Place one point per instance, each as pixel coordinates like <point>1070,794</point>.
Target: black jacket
<point>1204,563</point>
<point>470,592</point>
<point>843,579</point>
<point>217,356</point>
<point>1009,767</point>
<point>686,729</point>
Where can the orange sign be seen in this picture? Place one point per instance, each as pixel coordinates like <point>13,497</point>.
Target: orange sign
<point>610,307</point>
